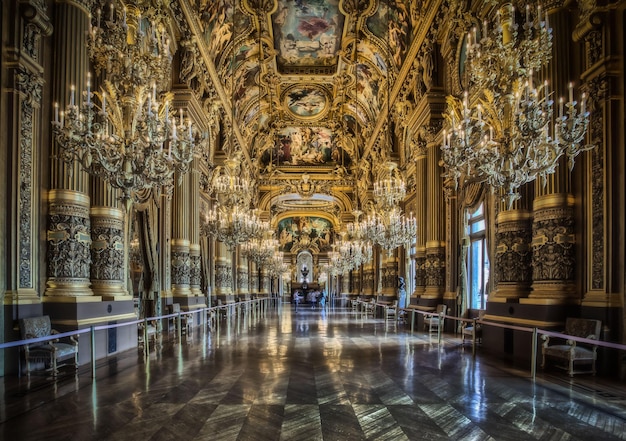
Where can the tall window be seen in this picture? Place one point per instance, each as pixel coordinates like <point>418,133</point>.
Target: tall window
<point>477,260</point>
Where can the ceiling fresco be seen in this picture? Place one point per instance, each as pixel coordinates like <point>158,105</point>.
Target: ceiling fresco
<point>307,33</point>
<point>307,85</point>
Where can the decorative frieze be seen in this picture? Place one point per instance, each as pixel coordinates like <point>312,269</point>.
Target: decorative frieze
<point>223,277</point>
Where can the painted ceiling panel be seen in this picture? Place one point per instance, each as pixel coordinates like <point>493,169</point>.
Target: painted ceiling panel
<point>307,33</point>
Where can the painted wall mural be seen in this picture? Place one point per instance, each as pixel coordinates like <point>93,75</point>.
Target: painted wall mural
<point>307,32</point>
<point>305,146</point>
<point>305,233</point>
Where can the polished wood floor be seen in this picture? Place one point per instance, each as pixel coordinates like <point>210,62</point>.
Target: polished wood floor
<point>311,375</point>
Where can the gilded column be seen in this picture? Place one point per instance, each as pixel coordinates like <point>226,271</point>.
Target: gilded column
<point>108,277</point>
<point>368,278</point>
<point>265,283</point>
<point>253,281</point>
<point>243,288</point>
<point>195,277</point>
<point>435,263</point>
<point>553,234</point>
<point>389,275</point>
<point>180,258</point>
<point>22,125</point>
<point>69,228</point>
<point>604,210</point>
<point>223,273</point>
<point>513,254</point>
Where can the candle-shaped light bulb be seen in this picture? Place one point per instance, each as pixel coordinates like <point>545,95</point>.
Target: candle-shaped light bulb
<point>62,119</point>
<point>112,9</point>
<point>571,92</point>
<point>560,107</point>
<point>180,112</point>
<point>583,100</point>
<point>88,87</point>
<point>104,103</point>
<point>56,112</point>
<point>72,94</point>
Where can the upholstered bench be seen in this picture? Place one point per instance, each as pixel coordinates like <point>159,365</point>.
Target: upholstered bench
<point>572,355</point>
<point>49,352</point>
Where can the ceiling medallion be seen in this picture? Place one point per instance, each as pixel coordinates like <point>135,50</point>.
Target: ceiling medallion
<point>308,102</point>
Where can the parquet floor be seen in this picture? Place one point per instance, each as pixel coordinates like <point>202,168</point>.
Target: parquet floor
<point>311,375</point>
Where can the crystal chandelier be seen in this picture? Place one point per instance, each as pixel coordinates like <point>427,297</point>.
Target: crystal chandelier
<point>231,221</point>
<point>387,226</point>
<point>260,249</point>
<point>125,133</point>
<point>504,131</point>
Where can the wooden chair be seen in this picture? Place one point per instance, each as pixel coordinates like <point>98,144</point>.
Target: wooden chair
<point>391,311</point>
<point>473,330</point>
<point>571,354</point>
<point>49,352</point>
<point>436,322</point>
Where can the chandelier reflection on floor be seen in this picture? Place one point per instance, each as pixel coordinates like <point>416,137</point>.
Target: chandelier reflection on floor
<point>504,132</point>
<point>129,137</point>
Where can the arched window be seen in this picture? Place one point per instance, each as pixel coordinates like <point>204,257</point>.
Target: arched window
<point>477,260</point>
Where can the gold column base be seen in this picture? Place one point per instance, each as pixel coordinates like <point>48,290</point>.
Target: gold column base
<point>110,290</point>
<point>433,292</point>
<point>510,290</point>
<point>22,297</point>
<point>600,299</point>
<point>68,287</point>
<point>68,299</point>
<point>181,291</point>
<point>553,290</point>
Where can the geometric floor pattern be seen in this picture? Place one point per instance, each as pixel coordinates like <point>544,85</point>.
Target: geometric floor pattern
<point>311,375</point>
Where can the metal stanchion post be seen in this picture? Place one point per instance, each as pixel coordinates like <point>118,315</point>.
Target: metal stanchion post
<point>93,352</point>
<point>533,366</point>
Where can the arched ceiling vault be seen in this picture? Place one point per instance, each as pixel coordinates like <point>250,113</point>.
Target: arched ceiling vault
<point>308,85</point>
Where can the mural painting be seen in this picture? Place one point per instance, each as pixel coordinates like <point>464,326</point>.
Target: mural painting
<point>306,101</point>
<point>397,20</point>
<point>305,146</point>
<point>305,233</point>
<point>369,88</point>
<point>307,33</point>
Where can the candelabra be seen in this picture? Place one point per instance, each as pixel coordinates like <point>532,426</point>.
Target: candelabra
<point>124,133</point>
<point>504,131</point>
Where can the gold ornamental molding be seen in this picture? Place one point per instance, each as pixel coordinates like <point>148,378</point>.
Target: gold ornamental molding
<point>69,299</point>
<point>95,320</point>
<point>556,200</point>
<point>178,244</point>
<point>513,216</point>
<point>542,324</point>
<point>107,212</point>
<point>600,299</point>
<point>59,196</point>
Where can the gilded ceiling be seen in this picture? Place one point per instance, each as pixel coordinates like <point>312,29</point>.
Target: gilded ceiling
<point>307,84</point>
